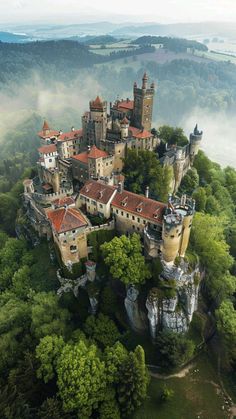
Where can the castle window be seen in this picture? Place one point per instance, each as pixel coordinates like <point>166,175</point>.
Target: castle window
<point>127,215</point>
<point>73,231</point>
<point>138,220</point>
<point>50,160</point>
<point>144,221</point>
<point>172,236</point>
<point>73,248</point>
<point>133,217</point>
<point>101,206</point>
<point>117,212</point>
<point>122,213</point>
<point>64,241</point>
<point>133,227</point>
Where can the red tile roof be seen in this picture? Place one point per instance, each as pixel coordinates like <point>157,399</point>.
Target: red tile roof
<point>50,134</point>
<point>66,219</point>
<point>47,186</point>
<point>138,133</point>
<point>61,202</point>
<point>126,104</point>
<point>82,157</point>
<point>140,206</point>
<point>97,103</point>
<point>97,191</point>
<point>51,148</point>
<point>66,136</point>
<point>94,153</point>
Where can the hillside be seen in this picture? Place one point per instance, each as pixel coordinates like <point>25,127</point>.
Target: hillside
<point>171,44</point>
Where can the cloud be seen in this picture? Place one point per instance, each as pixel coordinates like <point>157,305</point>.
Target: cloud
<point>219,135</point>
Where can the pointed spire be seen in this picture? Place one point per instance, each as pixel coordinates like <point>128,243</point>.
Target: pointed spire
<point>45,126</point>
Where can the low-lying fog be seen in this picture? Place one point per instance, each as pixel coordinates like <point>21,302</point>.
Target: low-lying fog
<point>219,135</point>
<point>63,106</point>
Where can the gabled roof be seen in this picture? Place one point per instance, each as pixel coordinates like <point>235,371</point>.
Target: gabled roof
<point>138,133</point>
<point>97,191</point>
<point>66,219</point>
<point>140,206</point>
<point>126,104</point>
<point>51,148</point>
<point>94,153</point>
<point>66,136</point>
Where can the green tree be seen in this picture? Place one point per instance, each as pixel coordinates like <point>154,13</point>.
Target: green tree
<point>174,349</point>
<point>133,382</point>
<point>109,407</point>
<point>21,282</point>
<point>102,329</point>
<point>226,324</point>
<point>48,317</point>
<point>81,378</point>
<point>48,352</point>
<point>172,136</point>
<point>208,241</point>
<point>124,258</point>
<point>11,257</point>
<point>14,324</point>
<point>190,181</point>
<point>167,393</point>
<point>200,197</point>
<point>143,169</point>
<point>114,357</point>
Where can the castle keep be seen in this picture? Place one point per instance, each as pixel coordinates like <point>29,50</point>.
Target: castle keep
<point>80,177</point>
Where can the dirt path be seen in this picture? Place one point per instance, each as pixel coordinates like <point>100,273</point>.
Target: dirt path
<point>181,374</point>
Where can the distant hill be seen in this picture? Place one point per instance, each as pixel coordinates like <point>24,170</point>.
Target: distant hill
<point>227,29</point>
<point>172,44</point>
<point>49,58</point>
<point>13,37</point>
<point>95,40</point>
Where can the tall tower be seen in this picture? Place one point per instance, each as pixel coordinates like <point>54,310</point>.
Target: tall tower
<point>195,141</point>
<point>94,123</point>
<point>143,105</point>
<point>176,230</point>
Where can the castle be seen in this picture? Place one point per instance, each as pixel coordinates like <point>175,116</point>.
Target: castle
<point>80,175</point>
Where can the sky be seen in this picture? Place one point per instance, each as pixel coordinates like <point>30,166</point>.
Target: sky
<point>77,11</point>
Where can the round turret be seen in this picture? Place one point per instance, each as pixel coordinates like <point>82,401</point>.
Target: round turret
<point>171,235</point>
<point>195,141</point>
<point>186,208</point>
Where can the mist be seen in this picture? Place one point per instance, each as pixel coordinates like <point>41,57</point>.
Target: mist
<point>219,135</point>
<point>63,104</point>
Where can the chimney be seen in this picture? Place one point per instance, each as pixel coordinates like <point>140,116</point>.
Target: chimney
<point>120,187</point>
<point>147,192</point>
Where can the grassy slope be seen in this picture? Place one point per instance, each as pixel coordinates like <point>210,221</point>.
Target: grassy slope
<point>196,395</point>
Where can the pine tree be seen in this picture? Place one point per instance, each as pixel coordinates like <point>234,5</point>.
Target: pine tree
<point>133,382</point>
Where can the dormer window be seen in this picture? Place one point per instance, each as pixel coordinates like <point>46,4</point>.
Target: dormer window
<point>139,207</point>
<point>101,193</point>
<point>156,213</point>
<point>124,202</point>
